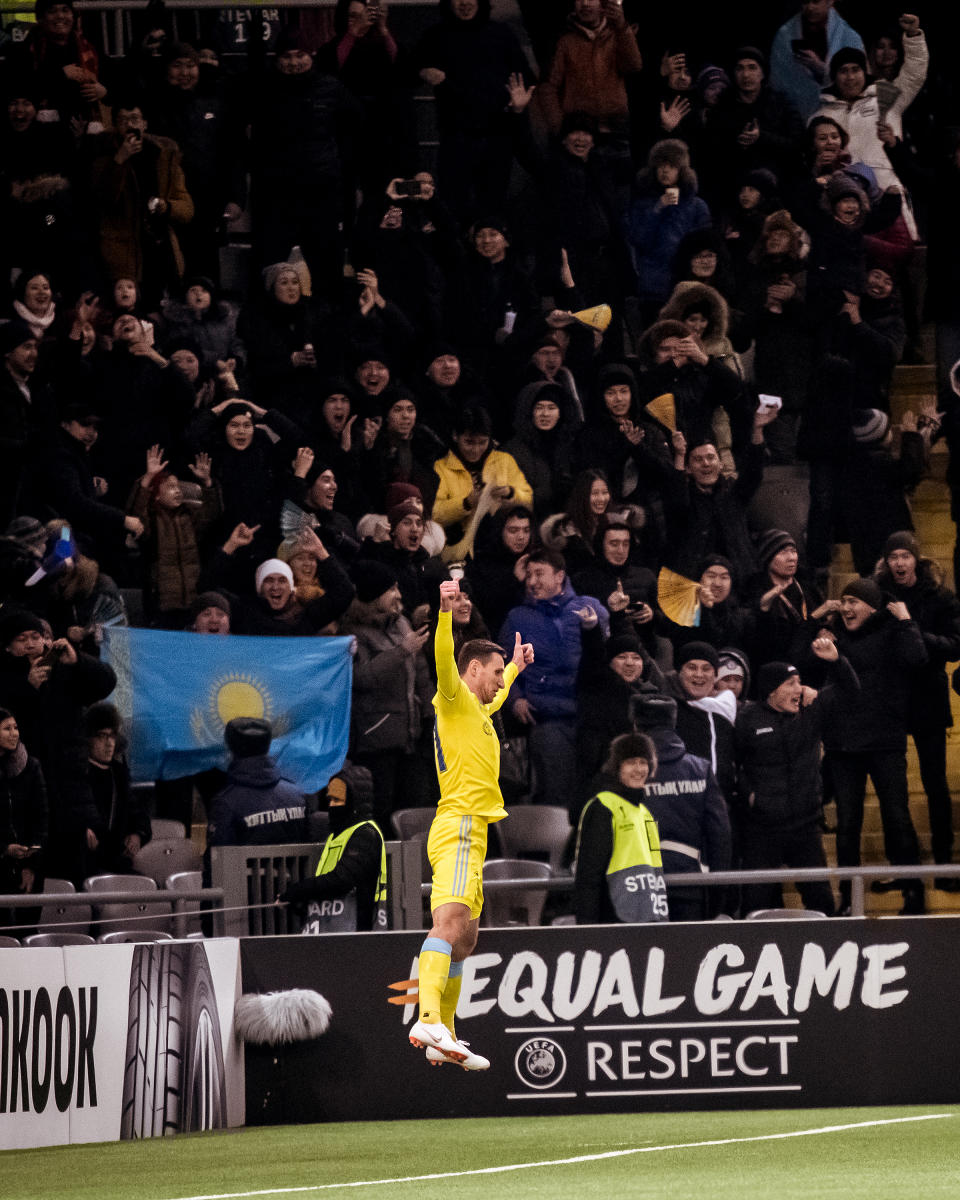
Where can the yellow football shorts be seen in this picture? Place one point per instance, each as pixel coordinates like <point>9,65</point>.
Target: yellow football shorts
<point>456,847</point>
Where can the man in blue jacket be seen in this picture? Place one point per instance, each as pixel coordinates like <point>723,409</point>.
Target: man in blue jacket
<point>544,698</point>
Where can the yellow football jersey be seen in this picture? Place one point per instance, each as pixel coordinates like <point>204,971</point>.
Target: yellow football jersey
<point>465,744</point>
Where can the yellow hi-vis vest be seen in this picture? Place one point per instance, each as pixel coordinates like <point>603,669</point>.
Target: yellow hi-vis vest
<point>340,915</point>
<point>635,871</point>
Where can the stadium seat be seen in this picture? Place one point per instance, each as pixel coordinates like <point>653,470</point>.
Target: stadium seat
<point>412,822</point>
<point>128,936</point>
<point>8,943</point>
<point>59,939</point>
<point>117,915</point>
<point>186,881</point>
<point>59,914</point>
<point>166,856</point>
<point>788,914</point>
<point>514,907</point>
<point>538,831</point>
<point>164,828</point>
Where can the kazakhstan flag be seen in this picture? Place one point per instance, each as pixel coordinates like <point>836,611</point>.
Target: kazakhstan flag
<point>177,691</point>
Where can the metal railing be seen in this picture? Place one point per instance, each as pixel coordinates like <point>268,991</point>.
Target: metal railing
<point>858,877</point>
<point>169,900</point>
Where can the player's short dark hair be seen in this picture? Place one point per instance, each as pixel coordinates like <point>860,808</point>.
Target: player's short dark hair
<point>480,649</point>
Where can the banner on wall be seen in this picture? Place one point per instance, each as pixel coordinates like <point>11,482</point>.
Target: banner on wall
<point>86,1033</point>
<point>624,1018</point>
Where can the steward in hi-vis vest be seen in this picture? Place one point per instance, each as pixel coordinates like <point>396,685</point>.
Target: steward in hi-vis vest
<point>619,873</point>
<point>348,893</point>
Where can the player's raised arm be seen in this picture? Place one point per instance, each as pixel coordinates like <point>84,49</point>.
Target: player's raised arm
<point>522,654</point>
<point>448,678</point>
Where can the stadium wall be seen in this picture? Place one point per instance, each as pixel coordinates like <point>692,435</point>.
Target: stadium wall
<point>624,1019</point>
<point>104,1043</point>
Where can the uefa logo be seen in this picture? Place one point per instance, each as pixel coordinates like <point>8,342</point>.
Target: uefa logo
<point>540,1063</point>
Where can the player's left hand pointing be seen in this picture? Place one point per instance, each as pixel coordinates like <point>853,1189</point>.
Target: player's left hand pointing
<point>522,654</point>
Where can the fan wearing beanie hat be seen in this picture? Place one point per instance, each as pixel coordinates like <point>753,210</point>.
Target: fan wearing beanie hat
<point>733,673</point>
<point>391,688</point>
<point>859,600</point>
<point>705,714</point>
<point>916,581</point>
<point>114,819</point>
<point>210,613</point>
<point>778,742</point>
<point>258,806</point>
<point>374,580</point>
<point>781,602</point>
<point>612,678</point>
<point>867,733</point>
<point>275,610</point>
<point>274,582</point>
<point>618,875</point>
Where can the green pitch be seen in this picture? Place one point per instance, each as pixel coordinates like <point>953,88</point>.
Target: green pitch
<point>890,1153</point>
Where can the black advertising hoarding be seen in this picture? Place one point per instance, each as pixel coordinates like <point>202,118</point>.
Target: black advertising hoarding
<point>625,1018</point>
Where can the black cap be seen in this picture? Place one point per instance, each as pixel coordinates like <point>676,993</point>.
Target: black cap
<point>247,737</point>
<point>771,675</point>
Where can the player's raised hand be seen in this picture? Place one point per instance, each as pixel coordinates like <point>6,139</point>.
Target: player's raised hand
<point>449,591</point>
<point>522,654</point>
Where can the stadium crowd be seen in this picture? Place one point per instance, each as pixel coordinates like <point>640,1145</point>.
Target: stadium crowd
<point>420,383</point>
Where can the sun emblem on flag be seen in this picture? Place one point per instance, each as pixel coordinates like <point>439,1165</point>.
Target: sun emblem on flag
<point>233,694</point>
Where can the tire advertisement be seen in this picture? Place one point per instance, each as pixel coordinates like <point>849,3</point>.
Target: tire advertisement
<point>103,1043</point>
<point>623,1019</point>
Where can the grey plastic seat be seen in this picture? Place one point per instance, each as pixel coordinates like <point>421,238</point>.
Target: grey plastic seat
<point>8,943</point>
<point>128,936</point>
<point>59,939</point>
<point>413,825</point>
<point>514,907</point>
<point>184,923</point>
<point>411,822</point>
<point>53,913</point>
<point>165,827</point>
<point>116,915</point>
<point>536,830</point>
<point>162,857</point>
<point>786,914</point>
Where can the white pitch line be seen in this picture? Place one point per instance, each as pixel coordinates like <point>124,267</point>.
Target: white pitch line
<point>564,1162</point>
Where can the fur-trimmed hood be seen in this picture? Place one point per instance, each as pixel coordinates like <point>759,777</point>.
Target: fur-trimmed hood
<point>687,295</point>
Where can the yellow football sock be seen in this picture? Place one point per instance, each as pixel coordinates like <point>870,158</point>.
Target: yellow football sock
<point>433,971</point>
<point>450,996</point>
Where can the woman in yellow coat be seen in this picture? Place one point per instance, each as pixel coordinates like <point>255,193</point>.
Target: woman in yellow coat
<point>474,480</point>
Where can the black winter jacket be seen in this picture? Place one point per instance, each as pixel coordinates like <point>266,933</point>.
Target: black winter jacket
<point>778,757</point>
<point>885,654</point>
<point>937,611</point>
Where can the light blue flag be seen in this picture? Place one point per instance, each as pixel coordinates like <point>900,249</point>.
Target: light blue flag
<point>177,691</point>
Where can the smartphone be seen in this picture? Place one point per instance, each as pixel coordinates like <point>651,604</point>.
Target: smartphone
<point>671,195</point>
<point>49,658</point>
<point>798,45</point>
<point>408,187</point>
<point>767,402</point>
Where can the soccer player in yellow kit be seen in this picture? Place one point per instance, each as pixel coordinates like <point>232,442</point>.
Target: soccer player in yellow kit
<point>467,752</point>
